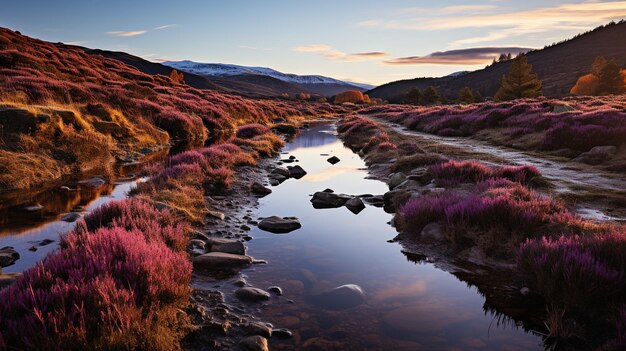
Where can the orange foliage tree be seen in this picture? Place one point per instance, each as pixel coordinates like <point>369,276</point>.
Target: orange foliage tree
<point>586,85</point>
<point>177,77</point>
<point>605,78</point>
<point>352,96</point>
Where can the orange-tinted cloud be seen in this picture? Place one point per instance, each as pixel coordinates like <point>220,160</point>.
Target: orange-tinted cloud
<point>127,33</point>
<point>328,52</point>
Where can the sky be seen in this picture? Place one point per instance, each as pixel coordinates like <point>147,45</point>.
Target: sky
<point>364,41</point>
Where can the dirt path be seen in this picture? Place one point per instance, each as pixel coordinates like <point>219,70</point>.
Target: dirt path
<point>598,195</point>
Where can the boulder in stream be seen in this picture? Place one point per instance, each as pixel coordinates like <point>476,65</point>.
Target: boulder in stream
<point>333,160</point>
<point>259,189</point>
<point>254,343</point>
<point>252,294</point>
<point>221,260</point>
<point>322,199</point>
<point>355,205</point>
<point>8,256</point>
<point>226,245</point>
<point>280,225</point>
<point>296,172</point>
<point>340,298</point>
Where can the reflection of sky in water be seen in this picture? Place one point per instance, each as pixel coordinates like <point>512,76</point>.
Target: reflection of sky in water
<point>22,240</point>
<point>417,302</point>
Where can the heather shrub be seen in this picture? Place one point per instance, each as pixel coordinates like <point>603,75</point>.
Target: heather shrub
<point>249,131</point>
<point>455,172</point>
<point>110,289</point>
<point>138,215</point>
<point>576,272</point>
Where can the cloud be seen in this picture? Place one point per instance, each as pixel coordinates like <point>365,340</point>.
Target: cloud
<point>248,47</point>
<point>462,57</point>
<point>329,53</point>
<point>167,26</point>
<point>312,48</point>
<point>502,24</point>
<point>127,33</point>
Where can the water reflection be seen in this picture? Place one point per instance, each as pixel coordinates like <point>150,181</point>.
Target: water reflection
<point>408,306</point>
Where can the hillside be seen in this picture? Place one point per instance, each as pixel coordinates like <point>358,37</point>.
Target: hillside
<point>66,110</point>
<point>558,66</point>
<point>266,79</point>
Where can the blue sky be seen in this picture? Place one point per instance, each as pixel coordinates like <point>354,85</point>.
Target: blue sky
<point>366,41</point>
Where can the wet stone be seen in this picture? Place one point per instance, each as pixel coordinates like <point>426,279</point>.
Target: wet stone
<point>340,298</point>
<point>280,225</point>
<point>254,343</point>
<point>296,172</point>
<point>281,333</point>
<point>333,160</point>
<point>323,199</point>
<point>71,217</point>
<point>221,260</point>
<point>275,290</point>
<point>252,294</point>
<point>8,256</point>
<point>355,205</point>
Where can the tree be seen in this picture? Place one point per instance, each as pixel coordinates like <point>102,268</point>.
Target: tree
<point>478,97</point>
<point>605,79</point>
<point>414,96</point>
<point>431,96</point>
<point>351,96</point>
<point>520,82</point>
<point>177,77</point>
<point>466,96</point>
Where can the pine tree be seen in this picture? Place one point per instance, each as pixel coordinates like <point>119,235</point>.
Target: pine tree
<point>466,96</point>
<point>414,96</point>
<point>520,82</point>
<point>431,96</point>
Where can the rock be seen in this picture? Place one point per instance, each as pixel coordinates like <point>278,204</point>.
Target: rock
<point>274,182</point>
<point>256,328</point>
<point>323,199</point>
<point>275,290</point>
<point>355,205</point>
<point>254,343</point>
<point>216,214</point>
<point>33,208</point>
<point>226,246</point>
<point>221,260</point>
<point>280,225</point>
<point>287,160</point>
<point>7,278</point>
<point>376,201</point>
<point>71,217</point>
<point>328,190</point>
<point>8,256</point>
<point>340,298</point>
<point>196,247</point>
<point>241,282</point>
<point>94,182</point>
<point>277,177</point>
<point>394,198</point>
<point>252,294</point>
<point>597,155</point>
<point>560,108</point>
<point>281,333</point>
<point>333,160</point>
<point>395,179</point>
<point>259,190</point>
<point>432,232</point>
<point>45,242</point>
<point>281,171</point>
<point>296,172</point>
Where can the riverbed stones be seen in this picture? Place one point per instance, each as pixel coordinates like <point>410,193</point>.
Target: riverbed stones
<point>376,200</point>
<point>393,198</point>
<point>296,172</point>
<point>259,189</point>
<point>226,246</point>
<point>257,328</point>
<point>282,333</point>
<point>71,217</point>
<point>254,343</point>
<point>275,290</point>
<point>221,260</point>
<point>333,160</point>
<point>322,199</point>
<point>281,171</point>
<point>597,155</point>
<point>280,225</point>
<point>94,182</point>
<point>8,256</point>
<point>396,179</point>
<point>340,298</point>
<point>355,205</point>
<point>252,294</point>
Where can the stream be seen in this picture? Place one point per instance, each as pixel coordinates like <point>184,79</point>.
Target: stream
<point>407,305</point>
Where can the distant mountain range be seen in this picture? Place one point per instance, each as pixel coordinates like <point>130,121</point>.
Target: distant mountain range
<point>241,80</point>
<point>266,78</point>
<point>558,66</point>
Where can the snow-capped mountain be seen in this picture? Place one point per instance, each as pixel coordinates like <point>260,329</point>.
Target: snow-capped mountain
<point>223,70</point>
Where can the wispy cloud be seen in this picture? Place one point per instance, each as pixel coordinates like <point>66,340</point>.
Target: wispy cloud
<point>462,57</point>
<point>501,24</point>
<point>167,26</point>
<point>312,48</point>
<point>133,33</point>
<point>329,53</point>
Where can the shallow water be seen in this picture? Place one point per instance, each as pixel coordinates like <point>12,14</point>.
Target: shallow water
<point>408,306</point>
<point>25,231</point>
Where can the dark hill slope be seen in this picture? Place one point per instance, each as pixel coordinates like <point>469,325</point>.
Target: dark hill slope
<point>558,66</point>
